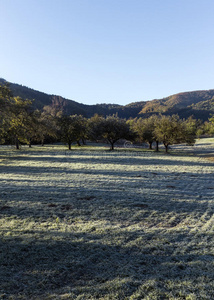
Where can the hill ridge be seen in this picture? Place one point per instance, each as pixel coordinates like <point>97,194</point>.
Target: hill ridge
<point>199,104</point>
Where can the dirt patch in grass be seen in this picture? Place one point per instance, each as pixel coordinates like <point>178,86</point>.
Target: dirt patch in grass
<point>211,158</point>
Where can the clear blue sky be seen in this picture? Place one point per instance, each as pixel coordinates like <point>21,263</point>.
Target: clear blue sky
<point>108,51</point>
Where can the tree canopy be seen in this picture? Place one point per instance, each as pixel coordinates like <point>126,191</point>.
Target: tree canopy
<point>20,123</point>
<point>111,128</point>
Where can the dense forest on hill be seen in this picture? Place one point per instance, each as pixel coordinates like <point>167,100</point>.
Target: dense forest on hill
<point>199,104</point>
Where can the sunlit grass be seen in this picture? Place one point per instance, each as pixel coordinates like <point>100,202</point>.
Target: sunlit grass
<point>95,224</point>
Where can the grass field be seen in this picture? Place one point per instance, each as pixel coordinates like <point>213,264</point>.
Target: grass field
<point>96,224</point>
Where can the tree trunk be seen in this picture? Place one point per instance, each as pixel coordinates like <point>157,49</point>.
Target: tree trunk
<point>150,145</point>
<point>157,146</point>
<point>17,144</point>
<point>78,143</point>
<point>69,145</point>
<point>166,147</point>
<point>112,146</point>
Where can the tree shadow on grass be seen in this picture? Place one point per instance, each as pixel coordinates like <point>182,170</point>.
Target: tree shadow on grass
<point>83,263</point>
<point>103,202</point>
<point>155,262</point>
<point>97,157</point>
<point>150,192</point>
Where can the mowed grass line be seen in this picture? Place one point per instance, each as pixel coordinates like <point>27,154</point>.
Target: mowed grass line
<point>95,224</point>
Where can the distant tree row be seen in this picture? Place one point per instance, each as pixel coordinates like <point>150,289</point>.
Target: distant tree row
<point>20,124</point>
<point>168,130</point>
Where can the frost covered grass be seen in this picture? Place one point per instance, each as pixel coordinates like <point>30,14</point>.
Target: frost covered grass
<point>95,224</point>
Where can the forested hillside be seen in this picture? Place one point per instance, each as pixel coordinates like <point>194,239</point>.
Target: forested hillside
<point>199,104</point>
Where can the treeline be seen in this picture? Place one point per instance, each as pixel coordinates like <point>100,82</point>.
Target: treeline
<point>21,124</point>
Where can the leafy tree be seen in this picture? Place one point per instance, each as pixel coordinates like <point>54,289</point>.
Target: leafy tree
<point>145,129</point>
<point>48,123</point>
<point>191,125</point>
<point>206,128</point>
<point>34,128</point>
<point>171,130</point>
<point>95,127</point>
<point>16,117</point>
<point>73,129</point>
<point>66,133</point>
<point>211,125</point>
<point>80,128</point>
<point>5,110</point>
<point>110,128</point>
<point>19,118</point>
<point>212,119</point>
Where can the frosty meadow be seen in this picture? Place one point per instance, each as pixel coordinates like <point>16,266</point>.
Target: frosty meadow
<point>96,224</point>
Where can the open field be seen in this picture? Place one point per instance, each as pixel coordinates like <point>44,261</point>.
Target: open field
<point>95,224</point>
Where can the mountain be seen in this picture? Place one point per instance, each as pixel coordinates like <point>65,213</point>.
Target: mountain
<point>41,99</point>
<point>199,104</point>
